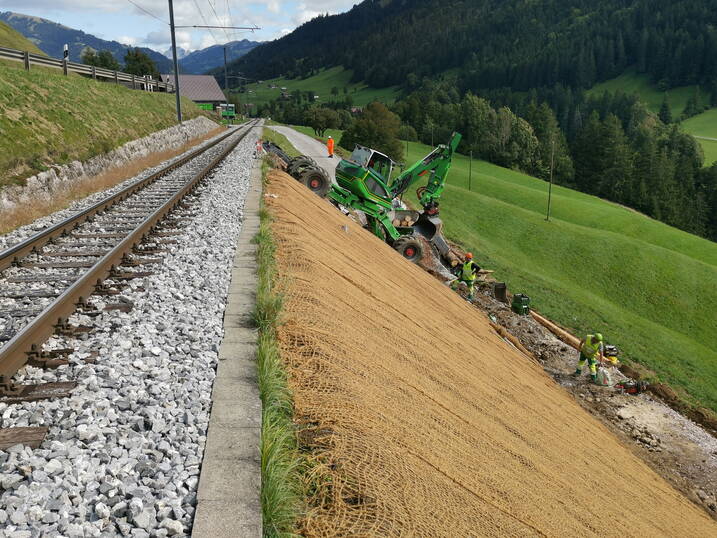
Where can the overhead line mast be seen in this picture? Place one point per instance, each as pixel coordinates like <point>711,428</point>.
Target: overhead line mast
<point>174,61</point>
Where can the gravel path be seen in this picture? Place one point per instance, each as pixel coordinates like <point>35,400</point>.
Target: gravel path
<point>123,453</point>
<point>308,146</point>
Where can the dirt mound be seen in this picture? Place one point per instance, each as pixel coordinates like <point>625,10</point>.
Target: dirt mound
<point>422,421</point>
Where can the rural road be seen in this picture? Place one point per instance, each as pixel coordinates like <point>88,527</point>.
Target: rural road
<point>309,146</point>
<point>705,138</point>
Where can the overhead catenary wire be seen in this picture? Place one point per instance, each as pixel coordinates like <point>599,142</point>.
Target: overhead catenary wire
<point>148,12</point>
<point>201,14</point>
<point>231,19</point>
<point>218,19</point>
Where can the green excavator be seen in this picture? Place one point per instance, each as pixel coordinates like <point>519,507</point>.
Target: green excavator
<point>363,184</point>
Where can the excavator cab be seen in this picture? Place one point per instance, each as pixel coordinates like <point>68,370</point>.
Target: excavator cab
<point>377,162</point>
<point>366,174</point>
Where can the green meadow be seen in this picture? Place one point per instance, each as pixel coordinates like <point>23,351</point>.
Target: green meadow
<point>321,84</point>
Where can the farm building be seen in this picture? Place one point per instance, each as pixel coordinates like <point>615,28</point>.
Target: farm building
<point>202,89</point>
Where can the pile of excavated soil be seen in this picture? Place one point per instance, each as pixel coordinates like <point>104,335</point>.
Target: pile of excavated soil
<point>422,421</point>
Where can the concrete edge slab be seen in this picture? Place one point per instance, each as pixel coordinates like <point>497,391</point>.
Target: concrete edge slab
<point>229,494</point>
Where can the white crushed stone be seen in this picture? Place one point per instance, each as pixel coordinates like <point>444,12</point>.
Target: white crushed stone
<point>123,452</point>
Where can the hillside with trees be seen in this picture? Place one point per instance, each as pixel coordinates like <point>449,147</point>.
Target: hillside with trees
<point>493,43</point>
<point>512,76</point>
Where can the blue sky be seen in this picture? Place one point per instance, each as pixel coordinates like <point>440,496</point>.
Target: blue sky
<point>122,21</point>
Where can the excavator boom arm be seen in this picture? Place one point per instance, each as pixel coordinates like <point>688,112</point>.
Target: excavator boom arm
<point>433,168</point>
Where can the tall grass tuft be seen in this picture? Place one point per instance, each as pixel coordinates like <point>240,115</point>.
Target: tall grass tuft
<point>282,497</point>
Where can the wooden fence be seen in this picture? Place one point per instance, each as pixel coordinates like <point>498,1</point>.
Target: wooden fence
<point>134,81</point>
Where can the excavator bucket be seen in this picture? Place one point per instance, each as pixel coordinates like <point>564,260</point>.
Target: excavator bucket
<point>427,226</point>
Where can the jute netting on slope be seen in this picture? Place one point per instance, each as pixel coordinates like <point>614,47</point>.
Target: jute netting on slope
<point>421,421</point>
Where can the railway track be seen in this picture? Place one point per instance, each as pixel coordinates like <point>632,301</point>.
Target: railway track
<point>47,278</point>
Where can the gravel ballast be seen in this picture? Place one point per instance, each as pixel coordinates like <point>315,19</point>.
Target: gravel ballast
<point>123,453</point>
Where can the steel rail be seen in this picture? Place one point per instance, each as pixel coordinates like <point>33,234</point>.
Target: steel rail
<point>15,353</point>
<point>39,240</point>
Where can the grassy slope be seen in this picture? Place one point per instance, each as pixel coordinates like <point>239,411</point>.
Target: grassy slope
<point>281,493</point>
<point>648,287</point>
<point>321,84</point>
<point>12,39</point>
<point>631,82</point>
<point>705,125</point>
<point>280,140</point>
<point>48,118</point>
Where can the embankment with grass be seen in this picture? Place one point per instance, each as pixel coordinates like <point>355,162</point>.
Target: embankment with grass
<point>12,39</point>
<point>48,119</point>
<point>282,495</point>
<point>280,140</point>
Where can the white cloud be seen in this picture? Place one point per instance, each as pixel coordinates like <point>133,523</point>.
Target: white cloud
<point>127,40</point>
<point>305,15</point>
<point>122,21</point>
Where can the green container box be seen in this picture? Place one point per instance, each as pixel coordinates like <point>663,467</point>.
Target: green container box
<point>520,304</point>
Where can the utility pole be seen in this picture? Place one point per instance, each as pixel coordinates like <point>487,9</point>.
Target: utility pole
<point>550,188</point>
<point>174,60</point>
<point>226,84</point>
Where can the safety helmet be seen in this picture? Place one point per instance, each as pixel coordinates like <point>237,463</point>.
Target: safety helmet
<point>329,136</point>
<point>469,255</point>
<point>598,337</point>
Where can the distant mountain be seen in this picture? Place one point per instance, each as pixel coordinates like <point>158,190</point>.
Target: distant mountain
<point>51,37</point>
<point>201,61</point>
<point>181,53</point>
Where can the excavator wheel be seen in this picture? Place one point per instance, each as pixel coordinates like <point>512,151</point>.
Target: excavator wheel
<point>316,179</point>
<point>298,164</point>
<point>410,248</point>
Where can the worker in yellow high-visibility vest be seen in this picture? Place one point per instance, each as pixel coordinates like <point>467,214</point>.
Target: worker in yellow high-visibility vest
<point>591,350</point>
<point>467,275</point>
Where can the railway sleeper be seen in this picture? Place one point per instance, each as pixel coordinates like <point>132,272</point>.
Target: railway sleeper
<point>30,294</point>
<point>136,262</point>
<point>55,358</point>
<point>58,265</point>
<point>32,279</point>
<point>71,254</point>
<point>64,328</point>
<point>11,393</point>
<point>28,436</point>
<point>116,274</point>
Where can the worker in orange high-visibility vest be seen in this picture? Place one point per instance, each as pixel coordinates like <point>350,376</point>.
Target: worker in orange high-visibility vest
<point>330,147</point>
